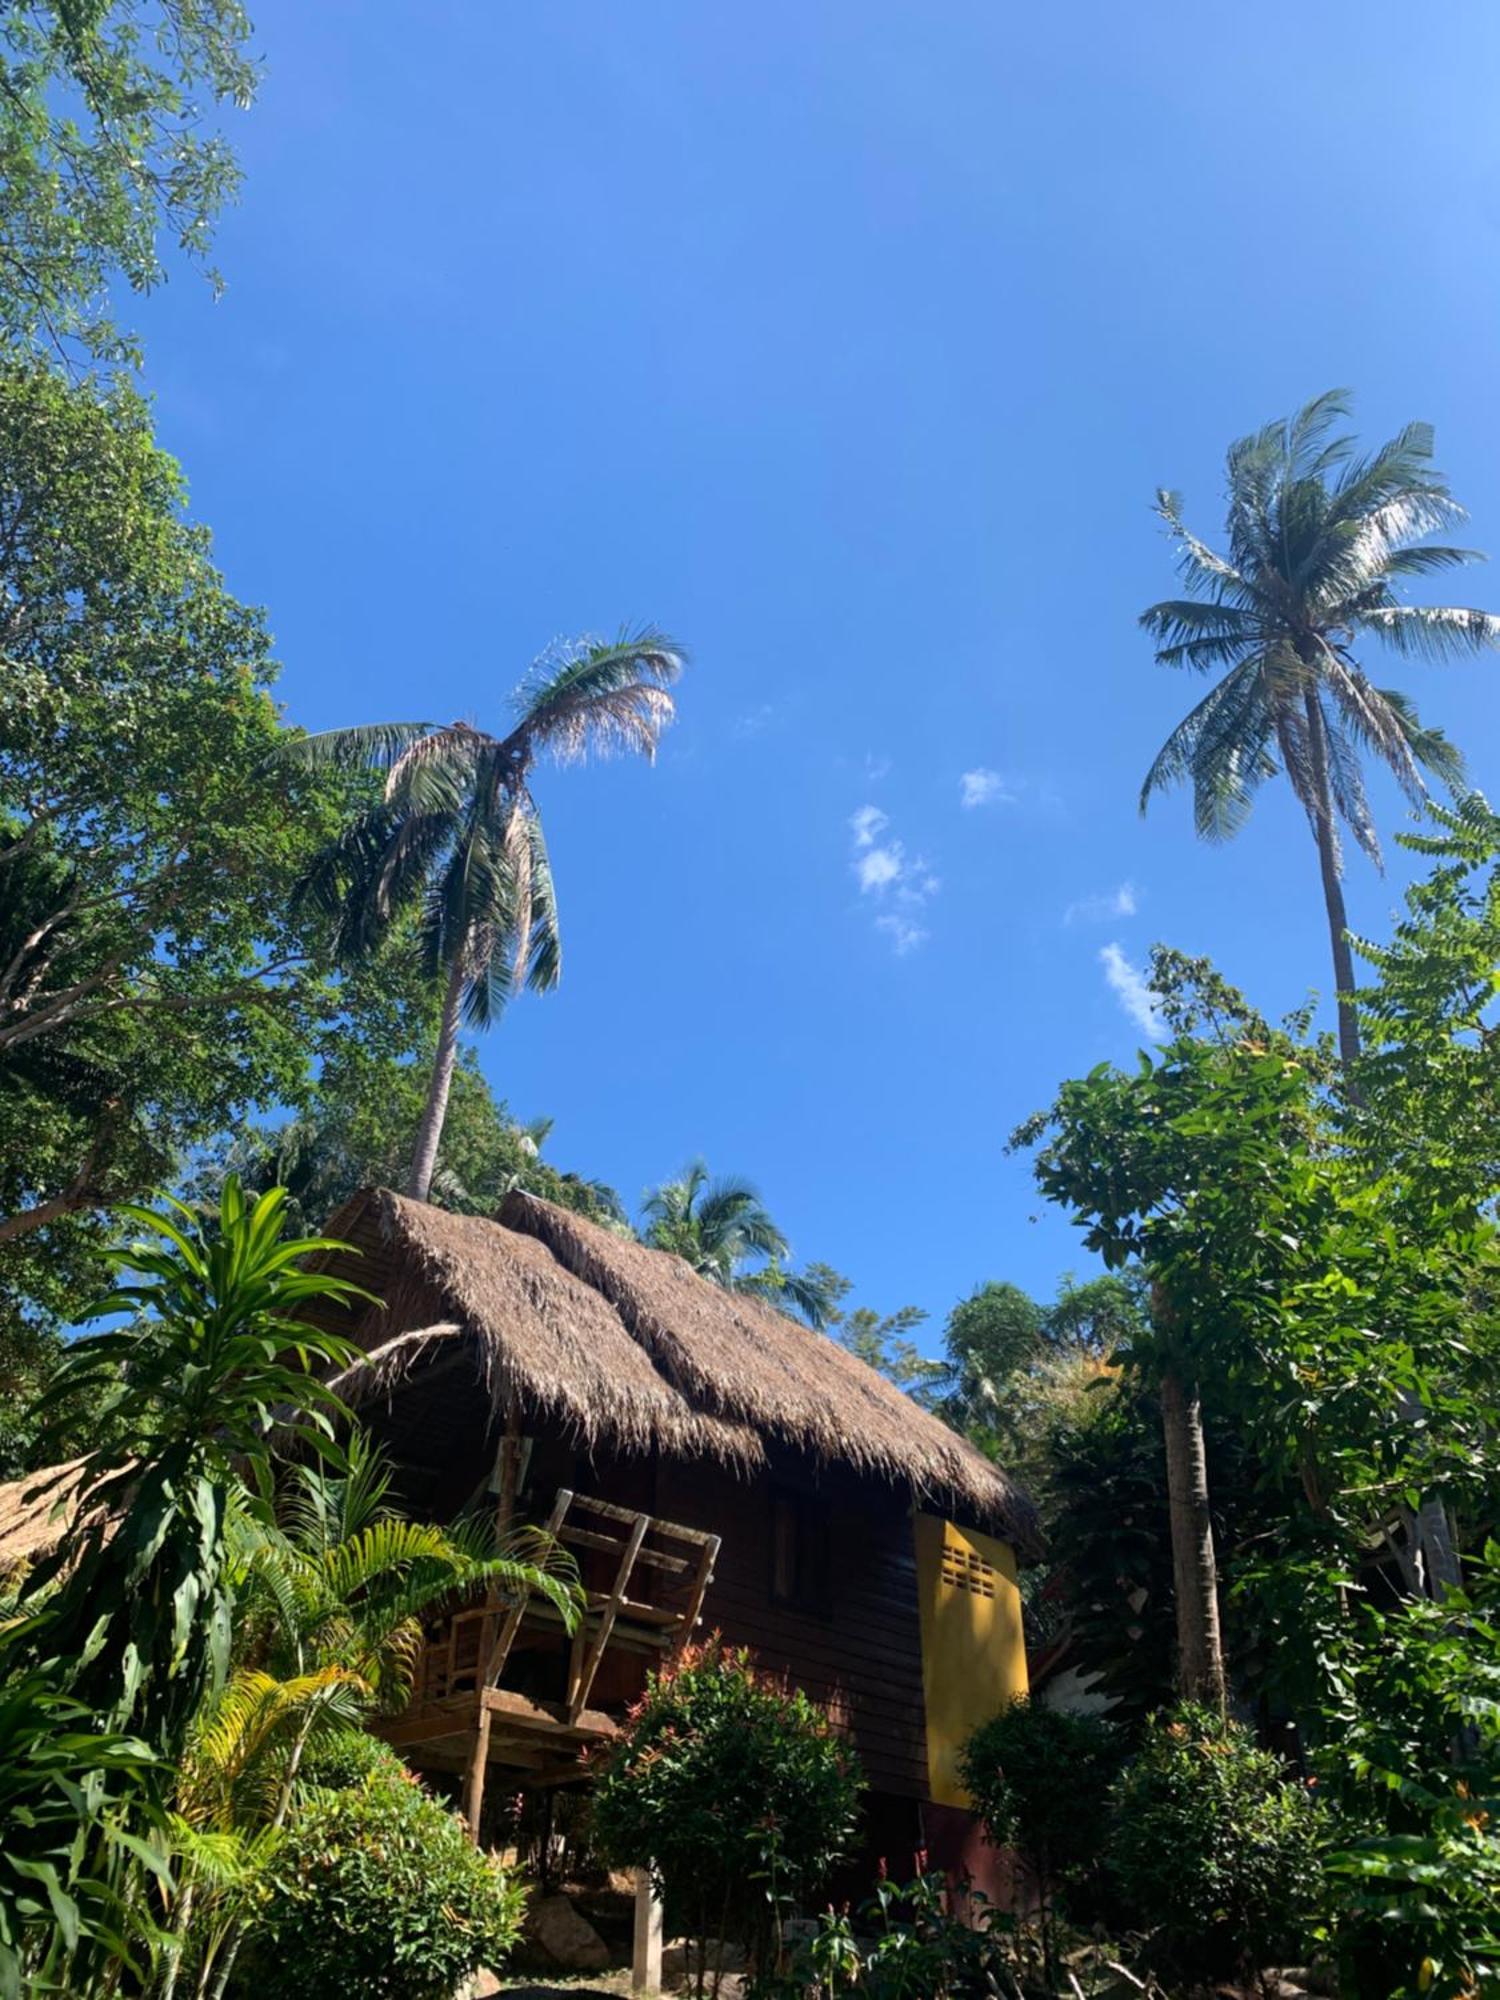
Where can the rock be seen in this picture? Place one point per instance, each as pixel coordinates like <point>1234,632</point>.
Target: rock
<point>567,1939</point>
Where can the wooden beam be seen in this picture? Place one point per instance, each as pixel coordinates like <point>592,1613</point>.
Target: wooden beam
<point>701,1582</point>
<point>579,1693</point>
<point>490,1669</point>
<point>645,1956</point>
<point>479,1757</point>
<point>518,1711</point>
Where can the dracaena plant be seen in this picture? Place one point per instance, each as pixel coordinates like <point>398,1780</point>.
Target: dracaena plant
<point>206,1365</point>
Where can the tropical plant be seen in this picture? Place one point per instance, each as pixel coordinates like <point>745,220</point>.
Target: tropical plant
<point>105,140</point>
<point>128,1619</point>
<point>458,833</point>
<point>74,1802</point>
<point>1320,543</point>
<point>909,1942</point>
<point>1217,1852</point>
<point>720,1227</point>
<point>378,1890</point>
<point>329,1602</point>
<point>734,1789</point>
<point>1039,1778</point>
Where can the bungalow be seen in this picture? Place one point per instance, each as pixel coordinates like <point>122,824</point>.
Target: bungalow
<point>709,1463</point>
<point>712,1465</point>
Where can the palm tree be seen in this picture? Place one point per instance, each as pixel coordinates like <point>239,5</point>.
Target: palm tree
<point>1319,543</point>
<point>718,1226</point>
<point>457,836</point>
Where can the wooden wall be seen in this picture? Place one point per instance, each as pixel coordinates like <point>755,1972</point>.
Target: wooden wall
<point>862,1652</point>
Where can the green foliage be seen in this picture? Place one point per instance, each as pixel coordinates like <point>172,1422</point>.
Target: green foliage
<point>1039,1778</point>
<point>908,1945</point>
<point>128,1620</point>
<point>723,1230</point>
<point>1407,1748</point>
<point>377,1890</point>
<point>152,982</point>
<point>69,1796</point>
<point>357,1126</point>
<point>1216,1852</point>
<point>135,1616</point>
<point>104,143</point>
<point>733,1789</point>
<point>1429,1081</point>
<point>343,1758</point>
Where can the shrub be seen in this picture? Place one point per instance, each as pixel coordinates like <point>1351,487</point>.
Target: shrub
<point>377,1891</point>
<point>1216,1852</point>
<point>1040,1778</point>
<point>344,1758</point>
<point>734,1790</point>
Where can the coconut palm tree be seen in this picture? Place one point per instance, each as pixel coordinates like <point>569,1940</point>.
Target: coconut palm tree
<point>1320,541</point>
<point>457,836</point>
<point>718,1226</point>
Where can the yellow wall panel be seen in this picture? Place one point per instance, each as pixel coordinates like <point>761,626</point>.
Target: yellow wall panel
<point>973,1649</point>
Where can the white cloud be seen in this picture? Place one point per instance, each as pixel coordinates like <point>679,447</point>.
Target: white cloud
<point>866,824</point>
<point>1104,909</point>
<point>983,788</point>
<point>876,768</point>
<point>1128,984</point>
<point>878,867</point>
<point>904,935</point>
<point>755,720</point>
<point>900,885</point>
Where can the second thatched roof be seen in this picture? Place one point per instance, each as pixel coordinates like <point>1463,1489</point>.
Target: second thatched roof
<point>628,1346</point>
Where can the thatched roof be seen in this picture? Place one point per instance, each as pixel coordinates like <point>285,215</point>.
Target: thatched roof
<point>35,1512</point>
<point>628,1346</point>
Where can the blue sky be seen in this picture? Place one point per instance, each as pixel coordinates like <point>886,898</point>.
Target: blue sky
<point>849,342</point>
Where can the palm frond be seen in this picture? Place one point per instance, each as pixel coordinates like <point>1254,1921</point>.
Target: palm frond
<point>364,746</point>
<point>1432,632</point>
<point>600,696</point>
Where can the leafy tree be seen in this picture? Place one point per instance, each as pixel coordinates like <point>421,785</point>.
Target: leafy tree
<point>355,1131</point>
<point>1429,1080</point>
<point>1320,544</point>
<point>719,1227</point>
<point>103,144</point>
<point>878,1339</point>
<point>734,1789</point>
<point>1040,1778</point>
<point>1217,1851</point>
<point>991,1337</point>
<point>151,985</point>
<point>458,835</point>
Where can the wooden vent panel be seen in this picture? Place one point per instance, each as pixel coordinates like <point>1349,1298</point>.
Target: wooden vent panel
<point>964,1570</point>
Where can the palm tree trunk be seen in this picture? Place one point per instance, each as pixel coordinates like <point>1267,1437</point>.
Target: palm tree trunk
<point>424,1159</point>
<point>1333,888</point>
<point>1200,1653</point>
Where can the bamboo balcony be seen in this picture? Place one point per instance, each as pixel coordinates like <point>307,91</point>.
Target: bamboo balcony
<point>504,1683</point>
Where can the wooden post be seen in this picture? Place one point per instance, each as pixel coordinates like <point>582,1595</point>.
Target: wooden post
<point>479,1757</point>
<point>645,1958</point>
<point>510,1461</point>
